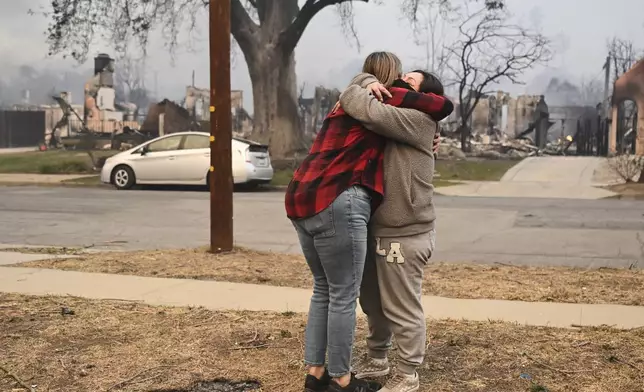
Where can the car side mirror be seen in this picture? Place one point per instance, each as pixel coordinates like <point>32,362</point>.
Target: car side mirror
<point>144,150</point>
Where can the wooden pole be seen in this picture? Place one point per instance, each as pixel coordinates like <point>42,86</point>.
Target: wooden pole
<point>221,179</point>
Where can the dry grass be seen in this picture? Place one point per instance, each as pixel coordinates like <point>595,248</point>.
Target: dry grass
<point>50,162</point>
<point>536,284</point>
<point>124,346</point>
<point>473,169</point>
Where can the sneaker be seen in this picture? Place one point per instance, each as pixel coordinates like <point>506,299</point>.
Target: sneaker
<point>356,385</point>
<point>367,367</point>
<point>312,384</point>
<point>402,382</point>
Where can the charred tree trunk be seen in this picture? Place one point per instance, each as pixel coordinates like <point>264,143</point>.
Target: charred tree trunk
<point>465,138</point>
<point>269,48</point>
<point>276,116</point>
<point>464,129</point>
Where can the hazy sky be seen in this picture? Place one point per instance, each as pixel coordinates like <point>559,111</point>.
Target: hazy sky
<point>325,56</point>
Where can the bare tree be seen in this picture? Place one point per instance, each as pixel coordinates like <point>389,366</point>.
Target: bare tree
<point>130,81</point>
<point>489,49</point>
<point>433,19</point>
<point>266,31</point>
<point>623,55</point>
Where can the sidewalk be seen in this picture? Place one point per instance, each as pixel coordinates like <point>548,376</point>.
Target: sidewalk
<point>36,179</point>
<point>235,296</point>
<point>571,170</point>
<point>17,150</point>
<point>7,258</point>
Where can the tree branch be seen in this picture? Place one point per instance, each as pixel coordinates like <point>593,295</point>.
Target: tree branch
<point>291,36</point>
<point>242,26</point>
<point>490,49</point>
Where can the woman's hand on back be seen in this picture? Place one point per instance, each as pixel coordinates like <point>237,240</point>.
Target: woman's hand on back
<point>378,90</point>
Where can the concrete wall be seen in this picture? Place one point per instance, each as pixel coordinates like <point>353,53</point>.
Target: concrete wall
<point>500,112</point>
<point>237,99</point>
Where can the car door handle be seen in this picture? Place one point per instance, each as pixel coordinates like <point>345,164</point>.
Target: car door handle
<point>207,155</point>
<point>171,158</point>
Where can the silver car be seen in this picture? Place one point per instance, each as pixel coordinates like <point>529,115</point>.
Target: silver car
<point>184,159</point>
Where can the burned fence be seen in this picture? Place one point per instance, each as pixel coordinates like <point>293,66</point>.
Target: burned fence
<point>21,128</point>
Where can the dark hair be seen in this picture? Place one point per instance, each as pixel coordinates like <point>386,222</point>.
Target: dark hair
<point>430,84</point>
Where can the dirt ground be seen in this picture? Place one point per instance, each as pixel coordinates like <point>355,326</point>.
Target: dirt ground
<point>543,284</point>
<point>71,344</point>
<point>628,191</point>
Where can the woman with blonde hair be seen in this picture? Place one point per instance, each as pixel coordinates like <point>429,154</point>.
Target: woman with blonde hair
<point>384,66</point>
<point>330,201</point>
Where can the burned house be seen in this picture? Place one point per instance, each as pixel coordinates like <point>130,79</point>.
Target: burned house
<point>499,114</point>
<point>168,117</point>
<point>314,110</point>
<point>625,137</point>
<point>197,103</point>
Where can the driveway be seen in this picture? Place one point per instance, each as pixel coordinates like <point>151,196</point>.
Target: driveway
<point>558,177</point>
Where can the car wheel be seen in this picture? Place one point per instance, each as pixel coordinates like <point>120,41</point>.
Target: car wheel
<point>251,186</point>
<point>123,177</point>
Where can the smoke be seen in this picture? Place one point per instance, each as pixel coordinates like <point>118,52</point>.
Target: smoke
<point>41,84</point>
<point>564,93</point>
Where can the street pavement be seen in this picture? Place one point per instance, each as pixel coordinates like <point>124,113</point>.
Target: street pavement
<point>586,233</point>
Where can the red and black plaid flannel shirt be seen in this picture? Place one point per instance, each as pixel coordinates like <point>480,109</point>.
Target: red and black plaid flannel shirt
<point>345,154</point>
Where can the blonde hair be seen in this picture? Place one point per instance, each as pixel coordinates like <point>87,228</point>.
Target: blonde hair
<point>385,66</point>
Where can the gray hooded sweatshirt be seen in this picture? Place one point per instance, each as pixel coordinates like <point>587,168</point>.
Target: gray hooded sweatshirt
<point>407,208</point>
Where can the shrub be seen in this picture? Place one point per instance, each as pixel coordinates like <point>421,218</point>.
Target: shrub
<point>627,166</point>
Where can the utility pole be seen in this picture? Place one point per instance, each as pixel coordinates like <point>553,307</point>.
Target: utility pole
<point>221,177</point>
<point>606,106</point>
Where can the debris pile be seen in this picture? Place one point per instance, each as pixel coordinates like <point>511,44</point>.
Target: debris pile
<point>499,146</point>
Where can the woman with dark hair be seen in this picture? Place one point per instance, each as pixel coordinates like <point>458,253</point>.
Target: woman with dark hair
<point>424,82</point>
<point>401,238</point>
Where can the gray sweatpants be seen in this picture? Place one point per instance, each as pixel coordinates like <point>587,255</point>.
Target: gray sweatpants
<point>390,296</point>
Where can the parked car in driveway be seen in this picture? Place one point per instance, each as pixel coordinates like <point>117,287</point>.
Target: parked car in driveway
<point>184,159</point>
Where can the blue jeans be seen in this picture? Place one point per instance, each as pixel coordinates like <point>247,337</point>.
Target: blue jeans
<point>334,243</point>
